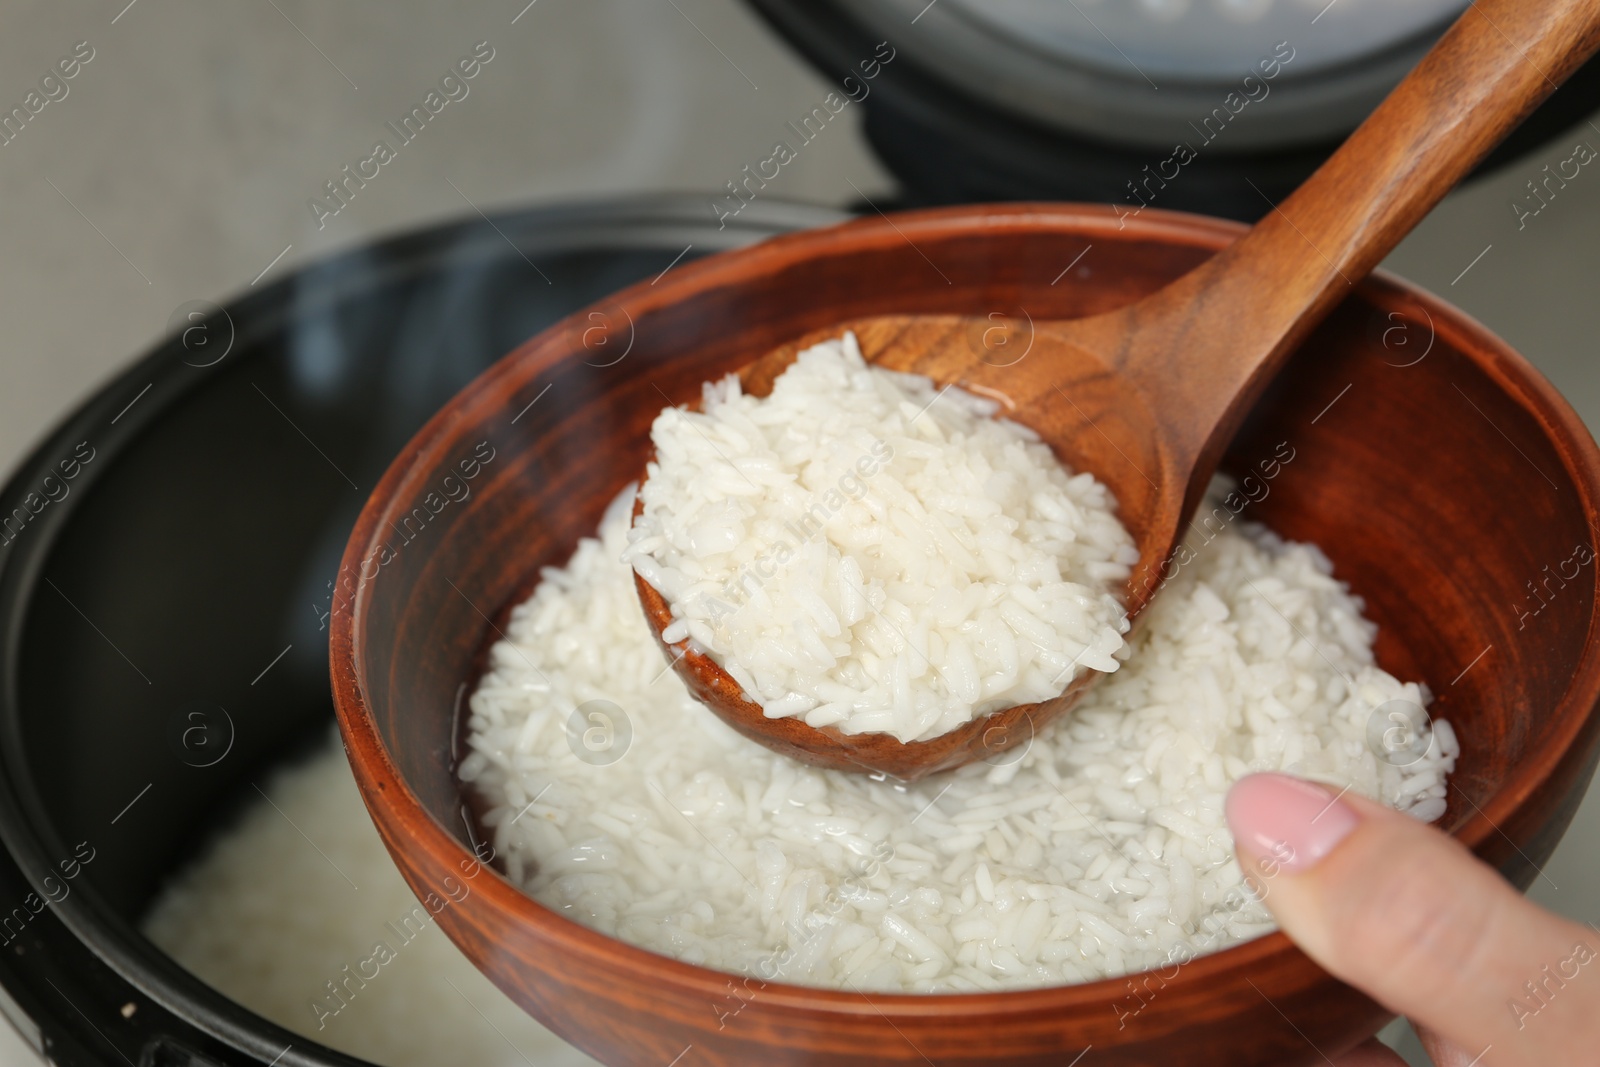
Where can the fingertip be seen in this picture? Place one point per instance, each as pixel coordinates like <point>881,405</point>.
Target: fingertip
<point>1408,915</point>
<point>1280,820</point>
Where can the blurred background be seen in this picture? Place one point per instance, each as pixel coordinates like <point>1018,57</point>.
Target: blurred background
<point>189,155</point>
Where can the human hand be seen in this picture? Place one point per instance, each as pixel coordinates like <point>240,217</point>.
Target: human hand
<point>1406,914</point>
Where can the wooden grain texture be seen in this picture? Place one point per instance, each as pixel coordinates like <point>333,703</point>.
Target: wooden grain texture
<point>1148,395</point>
<point>1447,488</point>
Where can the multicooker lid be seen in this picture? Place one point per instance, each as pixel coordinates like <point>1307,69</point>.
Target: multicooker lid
<point>1084,99</point>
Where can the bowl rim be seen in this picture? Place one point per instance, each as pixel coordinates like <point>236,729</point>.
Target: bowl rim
<point>407,825</point>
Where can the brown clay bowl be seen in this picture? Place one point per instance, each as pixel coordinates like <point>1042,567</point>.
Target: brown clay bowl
<point>1441,473</point>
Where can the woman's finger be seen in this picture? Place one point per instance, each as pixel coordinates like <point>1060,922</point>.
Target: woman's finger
<point>1408,915</point>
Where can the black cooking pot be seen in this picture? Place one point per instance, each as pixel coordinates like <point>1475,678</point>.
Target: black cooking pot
<point>165,557</point>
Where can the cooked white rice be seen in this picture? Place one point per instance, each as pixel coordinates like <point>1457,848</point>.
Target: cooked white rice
<point>1101,850</point>
<point>867,552</point>
<point>268,920</point>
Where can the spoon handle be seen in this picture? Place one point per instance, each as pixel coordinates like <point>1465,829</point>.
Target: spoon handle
<point>1207,345</point>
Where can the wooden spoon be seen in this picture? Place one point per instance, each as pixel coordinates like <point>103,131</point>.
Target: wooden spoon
<point>1146,397</point>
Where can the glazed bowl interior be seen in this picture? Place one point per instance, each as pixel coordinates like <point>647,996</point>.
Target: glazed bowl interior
<point>1442,475</point>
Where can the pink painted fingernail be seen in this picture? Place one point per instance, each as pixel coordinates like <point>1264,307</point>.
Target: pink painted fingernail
<point>1287,821</point>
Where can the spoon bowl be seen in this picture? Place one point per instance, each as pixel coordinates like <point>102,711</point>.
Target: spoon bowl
<point>1081,408</point>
